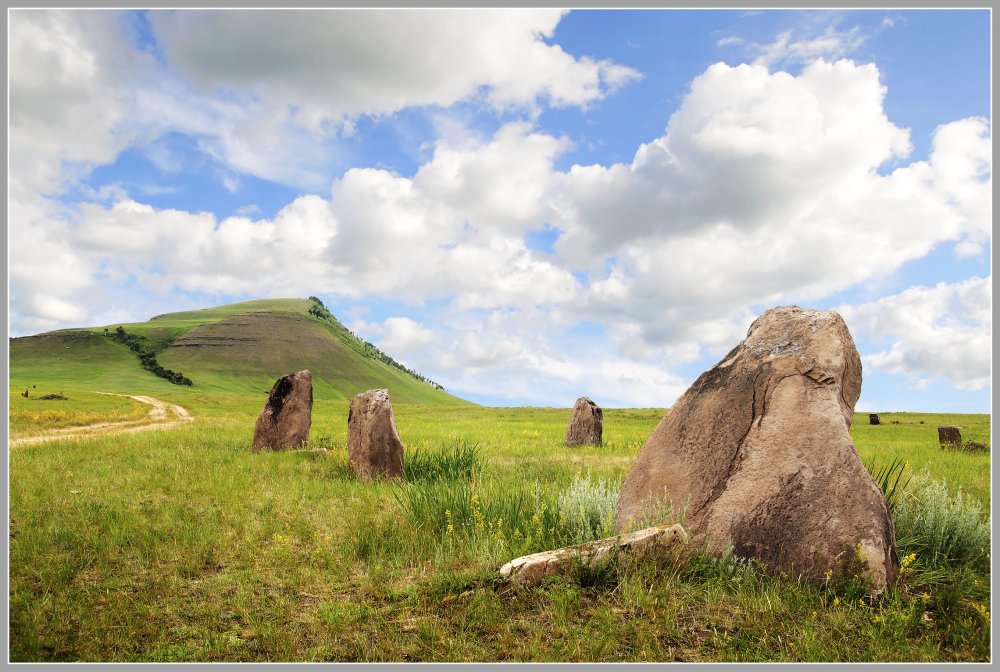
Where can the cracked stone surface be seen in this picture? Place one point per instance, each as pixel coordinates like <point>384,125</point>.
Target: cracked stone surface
<point>373,444</point>
<point>586,426</point>
<point>287,414</point>
<point>758,451</point>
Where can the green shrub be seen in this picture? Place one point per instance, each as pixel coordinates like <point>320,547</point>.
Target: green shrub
<point>940,528</point>
<point>726,570</point>
<point>587,509</point>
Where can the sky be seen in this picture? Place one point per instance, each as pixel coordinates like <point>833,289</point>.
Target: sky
<point>524,205</point>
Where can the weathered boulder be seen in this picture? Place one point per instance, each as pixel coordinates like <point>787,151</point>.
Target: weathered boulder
<point>948,434</point>
<point>586,425</point>
<point>758,451</point>
<point>976,447</point>
<point>287,414</point>
<point>531,569</point>
<point>873,418</point>
<point>373,444</point>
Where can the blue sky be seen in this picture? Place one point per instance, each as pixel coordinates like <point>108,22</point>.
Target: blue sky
<point>524,205</point>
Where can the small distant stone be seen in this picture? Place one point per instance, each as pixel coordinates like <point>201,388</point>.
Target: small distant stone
<point>287,415</point>
<point>320,452</point>
<point>873,418</point>
<point>587,424</point>
<point>374,448</point>
<point>977,447</point>
<point>950,435</point>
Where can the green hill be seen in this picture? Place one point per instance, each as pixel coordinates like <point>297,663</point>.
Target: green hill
<point>239,348</point>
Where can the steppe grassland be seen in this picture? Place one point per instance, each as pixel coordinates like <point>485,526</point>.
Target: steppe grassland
<point>181,545</point>
<point>32,415</point>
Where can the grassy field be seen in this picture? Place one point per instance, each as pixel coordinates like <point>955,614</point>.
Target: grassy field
<point>180,545</point>
<point>33,414</point>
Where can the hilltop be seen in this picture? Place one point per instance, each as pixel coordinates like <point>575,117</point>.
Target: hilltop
<point>237,348</point>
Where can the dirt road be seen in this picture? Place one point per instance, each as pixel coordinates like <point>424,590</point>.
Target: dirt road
<point>162,416</point>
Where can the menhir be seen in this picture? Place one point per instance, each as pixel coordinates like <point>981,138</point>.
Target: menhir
<point>757,452</point>
<point>284,422</point>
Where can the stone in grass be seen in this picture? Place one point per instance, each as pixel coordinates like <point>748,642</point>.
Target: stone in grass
<point>759,455</point>
<point>529,570</point>
<point>976,447</point>
<point>287,415</point>
<point>950,435</point>
<point>587,424</point>
<point>373,444</point>
<point>873,419</point>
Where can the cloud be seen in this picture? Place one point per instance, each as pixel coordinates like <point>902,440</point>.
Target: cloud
<point>730,41</point>
<point>520,357</point>
<point>831,45</point>
<point>448,233</point>
<point>334,65</point>
<point>65,105</point>
<point>248,210</point>
<point>942,331</point>
<point>765,188</point>
<point>272,94</point>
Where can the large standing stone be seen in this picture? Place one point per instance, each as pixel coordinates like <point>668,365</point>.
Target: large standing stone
<point>586,425</point>
<point>373,444</point>
<point>284,422</point>
<point>950,435</point>
<point>758,452</point>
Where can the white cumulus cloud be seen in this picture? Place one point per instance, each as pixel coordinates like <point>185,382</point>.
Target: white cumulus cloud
<point>335,64</point>
<point>943,331</point>
<point>766,188</point>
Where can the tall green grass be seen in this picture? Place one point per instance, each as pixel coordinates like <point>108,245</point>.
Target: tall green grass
<point>888,477</point>
<point>462,460</point>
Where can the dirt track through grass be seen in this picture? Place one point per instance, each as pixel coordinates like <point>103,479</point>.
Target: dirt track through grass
<point>163,415</point>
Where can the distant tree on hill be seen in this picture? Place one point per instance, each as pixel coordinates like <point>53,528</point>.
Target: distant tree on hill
<point>319,311</point>
<point>147,357</point>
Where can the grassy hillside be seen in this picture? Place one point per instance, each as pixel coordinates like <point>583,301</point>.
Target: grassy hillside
<point>237,349</point>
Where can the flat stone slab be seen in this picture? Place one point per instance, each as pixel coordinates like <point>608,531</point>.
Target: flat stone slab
<point>531,569</point>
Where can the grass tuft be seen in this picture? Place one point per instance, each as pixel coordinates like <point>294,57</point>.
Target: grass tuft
<point>462,461</point>
<point>887,476</point>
